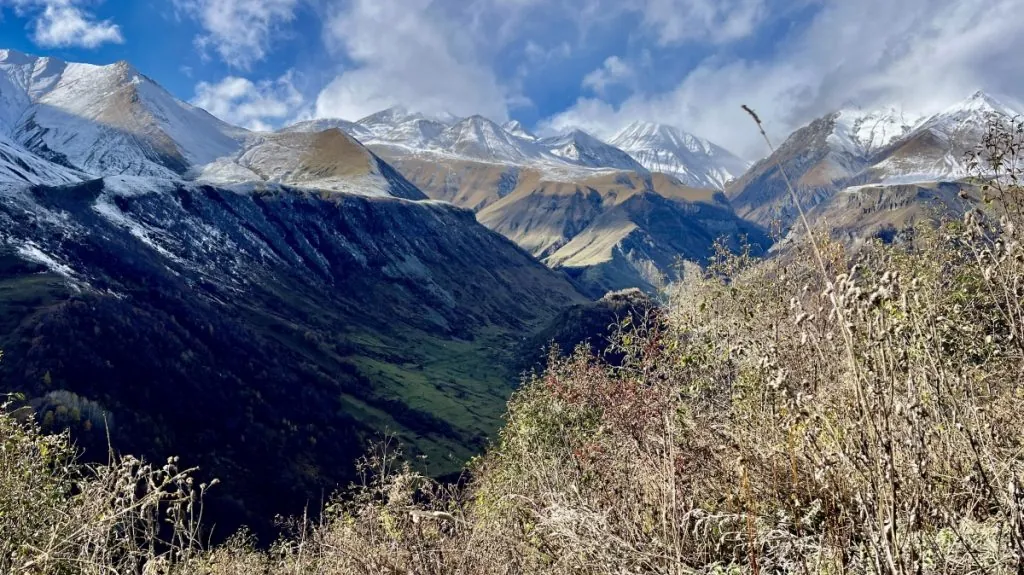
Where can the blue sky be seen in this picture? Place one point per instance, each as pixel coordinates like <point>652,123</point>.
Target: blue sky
<point>597,64</point>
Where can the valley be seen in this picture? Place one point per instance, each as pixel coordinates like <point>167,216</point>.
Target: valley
<point>267,303</point>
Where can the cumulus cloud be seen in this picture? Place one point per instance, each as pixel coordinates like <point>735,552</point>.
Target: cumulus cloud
<point>64,24</point>
<point>922,55</point>
<point>239,31</point>
<point>613,71</point>
<point>407,52</point>
<point>445,55</point>
<point>258,106</point>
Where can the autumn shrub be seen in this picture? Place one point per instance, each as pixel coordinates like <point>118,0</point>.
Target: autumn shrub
<point>62,517</point>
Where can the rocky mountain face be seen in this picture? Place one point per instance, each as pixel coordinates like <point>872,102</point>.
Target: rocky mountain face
<point>619,230</point>
<point>858,152</point>
<point>890,212</point>
<point>262,303</point>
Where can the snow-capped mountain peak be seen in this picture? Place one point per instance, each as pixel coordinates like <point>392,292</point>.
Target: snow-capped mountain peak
<point>105,120</point>
<point>353,129</point>
<point>981,102</point>
<point>479,137</point>
<point>936,148</point>
<point>580,148</point>
<point>516,129</point>
<point>695,161</point>
<point>398,126</point>
<point>863,132</point>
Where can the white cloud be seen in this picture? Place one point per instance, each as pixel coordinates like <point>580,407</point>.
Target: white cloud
<point>256,106</point>
<point>63,24</point>
<point>614,71</point>
<point>919,54</point>
<point>536,54</point>
<point>716,21</point>
<point>239,31</point>
<point>406,52</point>
<point>444,55</point>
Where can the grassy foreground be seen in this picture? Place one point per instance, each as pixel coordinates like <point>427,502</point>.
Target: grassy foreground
<point>820,412</point>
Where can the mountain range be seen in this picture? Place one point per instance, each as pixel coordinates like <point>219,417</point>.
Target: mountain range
<point>270,301</point>
<point>582,205</point>
<point>894,156</point>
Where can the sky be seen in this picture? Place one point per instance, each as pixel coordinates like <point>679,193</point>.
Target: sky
<point>551,64</point>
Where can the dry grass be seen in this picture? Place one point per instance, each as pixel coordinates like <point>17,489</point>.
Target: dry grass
<point>820,413</point>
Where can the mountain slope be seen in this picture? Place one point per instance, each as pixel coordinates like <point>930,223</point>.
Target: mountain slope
<point>811,162</point>
<point>618,231</point>
<point>865,132</point>
<point>18,165</point>
<point>269,334</point>
<point>330,160</point>
<point>105,120</point>
<point>695,161</point>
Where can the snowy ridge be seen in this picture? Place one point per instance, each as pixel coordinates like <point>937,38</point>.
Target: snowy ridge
<point>936,149</point>
<point>353,129</point>
<point>103,120</point>
<point>864,132</point>
<point>641,147</point>
<point>64,122</point>
<point>695,161</point>
<point>516,129</point>
<point>398,126</point>
<point>478,137</point>
<point>566,156</point>
<point>582,149</point>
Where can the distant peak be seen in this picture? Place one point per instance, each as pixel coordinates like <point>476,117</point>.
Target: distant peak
<point>981,101</point>
<point>985,99</point>
<point>579,134</point>
<point>401,113</point>
<point>516,128</point>
<point>980,95</point>
<point>387,115</point>
<point>396,110</point>
<point>15,57</point>
<point>477,119</point>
